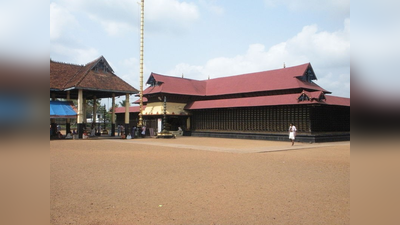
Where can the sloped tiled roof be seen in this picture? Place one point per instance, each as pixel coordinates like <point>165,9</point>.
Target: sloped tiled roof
<point>69,76</point>
<point>62,73</point>
<point>281,79</point>
<point>138,101</point>
<point>175,85</point>
<point>131,109</point>
<point>272,100</point>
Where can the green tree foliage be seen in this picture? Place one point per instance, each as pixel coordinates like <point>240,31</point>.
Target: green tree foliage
<point>122,103</point>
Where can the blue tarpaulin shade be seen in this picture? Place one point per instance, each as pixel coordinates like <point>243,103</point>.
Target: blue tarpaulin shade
<point>60,109</point>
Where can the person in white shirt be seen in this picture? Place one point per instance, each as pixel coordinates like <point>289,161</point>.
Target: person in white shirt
<point>143,131</point>
<point>292,133</point>
<point>180,131</point>
<point>69,136</point>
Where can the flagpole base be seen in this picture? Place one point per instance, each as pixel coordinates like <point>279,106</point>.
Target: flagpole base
<point>165,134</point>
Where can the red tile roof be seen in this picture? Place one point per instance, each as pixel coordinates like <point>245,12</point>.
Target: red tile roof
<point>69,76</point>
<point>280,79</point>
<point>134,109</point>
<point>289,99</point>
<point>272,100</point>
<point>176,85</point>
<point>335,100</point>
<point>138,101</point>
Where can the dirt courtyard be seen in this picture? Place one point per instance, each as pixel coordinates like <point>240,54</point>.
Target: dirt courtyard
<point>194,180</point>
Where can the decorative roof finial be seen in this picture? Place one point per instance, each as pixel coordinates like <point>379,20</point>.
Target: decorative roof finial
<point>284,65</point>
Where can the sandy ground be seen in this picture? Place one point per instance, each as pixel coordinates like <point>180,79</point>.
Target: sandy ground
<point>193,180</point>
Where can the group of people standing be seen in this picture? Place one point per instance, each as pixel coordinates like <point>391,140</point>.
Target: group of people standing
<point>121,131</point>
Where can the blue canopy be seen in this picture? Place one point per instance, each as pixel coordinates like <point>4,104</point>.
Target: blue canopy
<point>60,109</point>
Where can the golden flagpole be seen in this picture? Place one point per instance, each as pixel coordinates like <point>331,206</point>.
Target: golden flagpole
<point>141,63</point>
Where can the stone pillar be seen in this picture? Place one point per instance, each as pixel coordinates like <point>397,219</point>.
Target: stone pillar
<point>127,104</point>
<point>68,123</point>
<point>113,116</point>
<point>53,125</point>
<point>94,114</point>
<point>80,117</point>
<point>84,112</point>
<point>188,123</point>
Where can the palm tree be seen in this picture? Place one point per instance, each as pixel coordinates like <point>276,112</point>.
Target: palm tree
<point>122,103</point>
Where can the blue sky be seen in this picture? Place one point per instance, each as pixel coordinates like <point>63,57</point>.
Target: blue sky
<point>201,38</point>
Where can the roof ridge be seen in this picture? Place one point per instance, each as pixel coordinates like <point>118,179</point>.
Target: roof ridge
<point>94,60</point>
<point>250,73</point>
<point>272,80</point>
<point>72,77</point>
<point>87,70</point>
<point>176,77</point>
<point>65,63</point>
<point>84,75</point>
<point>78,72</point>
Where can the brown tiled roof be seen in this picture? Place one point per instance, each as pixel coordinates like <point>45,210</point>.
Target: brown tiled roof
<point>61,74</point>
<point>296,77</point>
<point>96,75</point>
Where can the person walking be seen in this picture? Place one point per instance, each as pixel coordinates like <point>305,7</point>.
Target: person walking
<point>292,132</point>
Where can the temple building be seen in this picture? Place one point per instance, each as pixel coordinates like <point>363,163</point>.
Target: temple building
<point>255,106</point>
<point>92,81</point>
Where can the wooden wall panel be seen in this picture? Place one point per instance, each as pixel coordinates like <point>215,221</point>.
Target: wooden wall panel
<point>260,119</point>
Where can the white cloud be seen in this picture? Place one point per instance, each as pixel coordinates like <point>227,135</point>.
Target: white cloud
<point>212,7</point>
<point>170,16</point>
<point>113,28</point>
<point>334,7</point>
<point>76,55</point>
<point>217,10</point>
<point>117,17</point>
<point>184,68</point>
<point>173,10</point>
<point>69,25</point>
<point>322,47</point>
<point>64,43</point>
<point>329,53</point>
<point>130,74</point>
<point>61,21</point>
<point>335,81</point>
